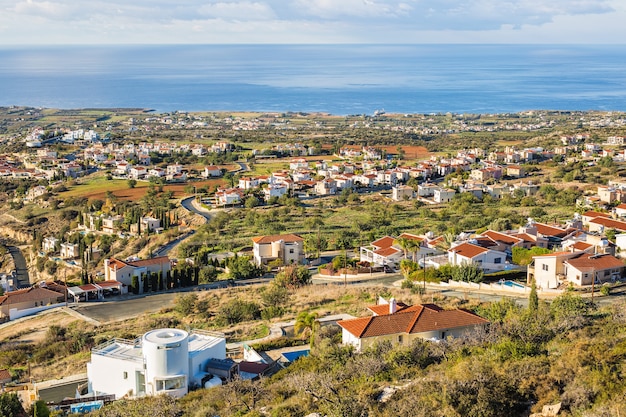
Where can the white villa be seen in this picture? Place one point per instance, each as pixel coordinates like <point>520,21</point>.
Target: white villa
<point>289,248</point>
<point>162,361</point>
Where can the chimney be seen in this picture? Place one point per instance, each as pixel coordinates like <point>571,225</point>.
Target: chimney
<point>392,306</point>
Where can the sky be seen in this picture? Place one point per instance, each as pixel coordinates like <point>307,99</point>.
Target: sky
<point>62,22</point>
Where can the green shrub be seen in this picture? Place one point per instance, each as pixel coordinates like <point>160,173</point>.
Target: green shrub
<point>236,311</point>
<point>605,290</point>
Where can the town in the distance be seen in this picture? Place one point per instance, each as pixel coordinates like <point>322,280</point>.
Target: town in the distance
<point>277,264</point>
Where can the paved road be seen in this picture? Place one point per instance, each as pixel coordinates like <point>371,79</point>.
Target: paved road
<point>165,249</point>
<point>187,203</point>
<point>131,306</point>
<point>107,311</point>
<point>21,270</point>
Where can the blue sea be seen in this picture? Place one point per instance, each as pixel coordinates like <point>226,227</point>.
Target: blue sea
<point>337,79</point>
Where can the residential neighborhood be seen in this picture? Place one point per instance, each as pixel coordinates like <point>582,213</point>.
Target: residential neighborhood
<point>153,238</point>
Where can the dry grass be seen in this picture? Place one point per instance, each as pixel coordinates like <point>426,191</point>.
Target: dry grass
<point>324,300</point>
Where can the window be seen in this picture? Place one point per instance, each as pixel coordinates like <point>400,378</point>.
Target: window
<point>497,261</point>
<point>544,267</point>
<point>400,338</point>
<point>125,375</point>
<point>290,250</point>
<point>177,382</point>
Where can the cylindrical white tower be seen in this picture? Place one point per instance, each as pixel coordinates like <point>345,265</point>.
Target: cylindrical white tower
<point>166,358</point>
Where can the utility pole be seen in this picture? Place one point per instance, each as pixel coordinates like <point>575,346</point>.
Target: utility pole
<point>65,284</point>
<point>424,264</point>
<point>345,266</point>
<point>593,286</point>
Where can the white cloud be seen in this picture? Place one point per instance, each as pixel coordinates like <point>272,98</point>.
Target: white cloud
<point>237,11</point>
<point>309,21</point>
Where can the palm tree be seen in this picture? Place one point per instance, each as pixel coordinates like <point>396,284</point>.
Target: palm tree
<point>306,325</point>
<point>446,243</point>
<point>413,246</point>
<point>404,243</point>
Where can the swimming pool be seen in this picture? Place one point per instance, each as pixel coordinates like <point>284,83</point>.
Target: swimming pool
<point>512,284</point>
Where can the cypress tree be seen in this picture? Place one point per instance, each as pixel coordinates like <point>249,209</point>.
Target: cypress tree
<point>533,299</point>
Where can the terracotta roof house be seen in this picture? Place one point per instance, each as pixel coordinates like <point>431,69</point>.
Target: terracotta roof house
<point>289,248</point>
<point>587,268</point>
<point>547,235</point>
<point>124,271</point>
<point>547,270</point>
<point>506,242</point>
<point>14,304</point>
<point>470,253</point>
<point>401,325</point>
<point>387,251</point>
<point>600,224</point>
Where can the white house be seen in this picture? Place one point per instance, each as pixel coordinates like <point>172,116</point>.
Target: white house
<point>248,183</point>
<point>122,168</point>
<point>274,190</point>
<point>111,224</point>
<point>156,172</point>
<point>174,169</point>
<point>35,192</point>
<point>548,271</point>
<point>49,244</point>
<point>148,224</point>
<point>228,196</point>
<point>401,193</point>
<point>162,361</point>
<point>298,163</point>
<point>587,268</point>
<point>326,186</point>
<point>212,172</point>
<point>381,252</point>
<point>289,248</point>
<point>467,253</point>
<point>137,172</point>
<point>124,271</point>
<point>69,250</point>
<point>443,195</point>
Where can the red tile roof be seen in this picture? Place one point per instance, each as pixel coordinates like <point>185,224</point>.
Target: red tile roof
<point>117,263</point>
<point>502,237</point>
<point>382,309</point>
<point>414,319</point>
<point>582,245</point>
<point>589,262</point>
<point>410,236</point>
<point>610,223</point>
<point>109,284</point>
<point>29,294</point>
<point>592,213</point>
<point>287,238</point>
<point>468,250</point>
<point>546,230</point>
<point>525,237</point>
<point>383,242</point>
<point>152,261</point>
<point>387,251</point>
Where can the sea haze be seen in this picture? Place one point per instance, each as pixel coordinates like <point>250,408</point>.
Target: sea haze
<point>338,79</point>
